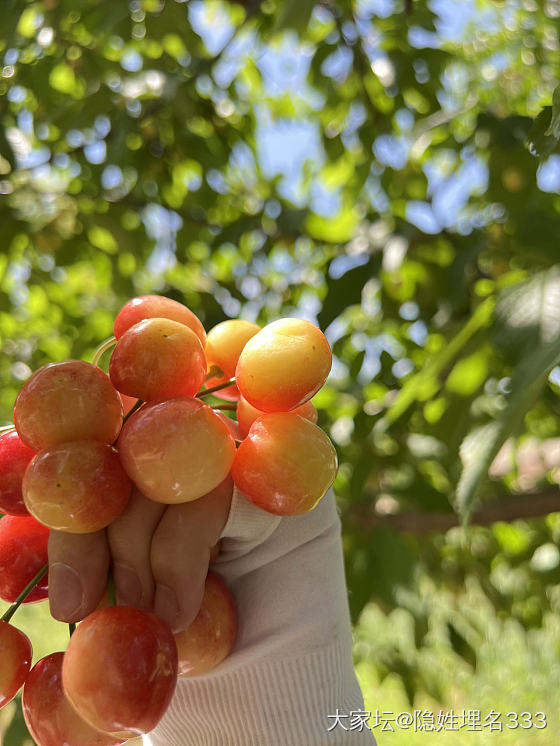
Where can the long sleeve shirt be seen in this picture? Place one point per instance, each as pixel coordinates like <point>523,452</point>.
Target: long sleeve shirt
<point>289,680</point>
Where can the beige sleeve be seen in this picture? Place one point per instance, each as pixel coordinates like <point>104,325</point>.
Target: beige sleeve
<point>291,669</point>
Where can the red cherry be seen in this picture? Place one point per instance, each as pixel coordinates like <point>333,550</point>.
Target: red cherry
<point>158,359</point>
<point>210,637</point>
<point>14,457</point>
<point>285,464</point>
<point>77,487</point>
<point>120,669</point>
<point>23,552</point>
<point>51,719</point>
<point>15,661</point>
<point>176,450</point>
<point>73,400</point>
<point>156,306</point>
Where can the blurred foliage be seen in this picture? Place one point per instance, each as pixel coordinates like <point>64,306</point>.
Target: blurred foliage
<point>387,169</point>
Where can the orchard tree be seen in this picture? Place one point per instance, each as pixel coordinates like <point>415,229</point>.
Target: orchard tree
<point>387,169</point>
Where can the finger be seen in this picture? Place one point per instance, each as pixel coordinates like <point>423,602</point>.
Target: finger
<point>130,537</point>
<point>180,554</point>
<point>78,565</point>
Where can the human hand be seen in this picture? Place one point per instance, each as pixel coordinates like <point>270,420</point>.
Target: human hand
<point>159,555</point>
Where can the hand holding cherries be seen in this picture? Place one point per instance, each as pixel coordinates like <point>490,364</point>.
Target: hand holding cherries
<point>76,465</point>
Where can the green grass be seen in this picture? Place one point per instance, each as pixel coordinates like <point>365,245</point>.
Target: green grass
<point>517,671</point>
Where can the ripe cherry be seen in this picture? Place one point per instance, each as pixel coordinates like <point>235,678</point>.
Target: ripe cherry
<point>15,661</point>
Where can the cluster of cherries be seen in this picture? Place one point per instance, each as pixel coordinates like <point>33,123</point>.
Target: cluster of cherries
<point>82,439</point>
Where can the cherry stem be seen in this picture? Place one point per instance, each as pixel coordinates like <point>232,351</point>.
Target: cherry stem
<point>226,407</point>
<point>132,410</point>
<point>5,428</point>
<point>219,387</point>
<point>103,347</point>
<point>214,372</point>
<point>71,628</point>
<point>8,614</point>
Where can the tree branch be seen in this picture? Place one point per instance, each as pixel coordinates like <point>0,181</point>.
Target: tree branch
<point>511,509</point>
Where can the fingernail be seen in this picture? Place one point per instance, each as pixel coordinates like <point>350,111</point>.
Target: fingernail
<point>66,594</point>
<point>127,586</point>
<point>165,605</point>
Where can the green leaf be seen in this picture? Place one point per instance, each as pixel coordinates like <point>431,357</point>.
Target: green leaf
<point>345,291</point>
<point>294,14</point>
<point>460,644</point>
<point>63,79</point>
<point>481,446</point>
<point>554,128</point>
<point>540,141</point>
<point>338,229</point>
<point>527,314</point>
<point>413,388</point>
<point>469,373</point>
<point>102,239</point>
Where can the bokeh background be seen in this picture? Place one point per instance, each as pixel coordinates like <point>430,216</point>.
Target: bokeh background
<point>388,169</point>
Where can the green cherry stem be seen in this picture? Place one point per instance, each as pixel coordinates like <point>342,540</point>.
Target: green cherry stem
<point>219,387</point>
<point>8,614</point>
<point>226,407</point>
<point>103,347</point>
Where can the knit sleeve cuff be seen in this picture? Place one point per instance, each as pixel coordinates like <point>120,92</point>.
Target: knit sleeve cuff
<point>247,525</point>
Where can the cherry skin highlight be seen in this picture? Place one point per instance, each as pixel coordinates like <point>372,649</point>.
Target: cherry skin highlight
<point>49,716</point>
<point>77,487</point>
<point>176,450</point>
<point>23,552</point>
<point>67,401</point>
<point>283,365</point>
<point>156,306</point>
<point>285,464</point>
<point>247,414</point>
<point>210,637</point>
<point>15,661</point>
<point>14,458</point>
<point>120,669</point>
<point>224,345</point>
<point>158,359</point>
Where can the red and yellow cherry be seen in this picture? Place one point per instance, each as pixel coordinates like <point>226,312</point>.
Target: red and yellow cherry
<point>285,464</point>
<point>15,661</point>
<point>156,306</point>
<point>210,637</point>
<point>232,424</point>
<point>247,414</point>
<point>49,716</point>
<point>158,359</point>
<point>120,669</point>
<point>176,450</point>
<point>224,345</point>
<point>23,552</point>
<point>14,458</point>
<point>67,401</point>
<point>283,365</point>
<point>77,487</point>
